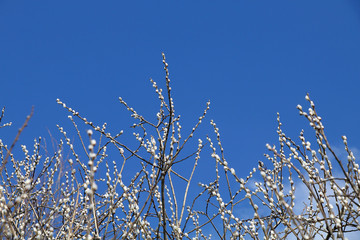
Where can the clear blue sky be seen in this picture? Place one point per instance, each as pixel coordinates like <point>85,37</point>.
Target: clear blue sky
<point>250,58</point>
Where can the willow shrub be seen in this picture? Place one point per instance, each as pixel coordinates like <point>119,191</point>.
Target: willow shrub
<point>63,196</point>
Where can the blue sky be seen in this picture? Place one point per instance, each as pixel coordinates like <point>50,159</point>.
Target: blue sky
<point>250,58</point>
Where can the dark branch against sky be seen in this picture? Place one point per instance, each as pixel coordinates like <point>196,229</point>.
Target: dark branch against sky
<point>251,59</point>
